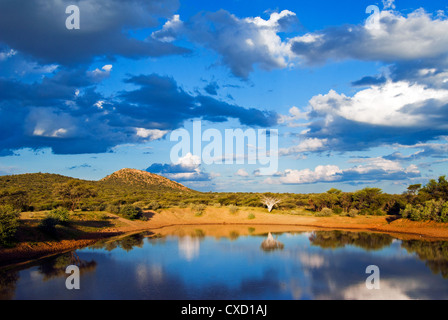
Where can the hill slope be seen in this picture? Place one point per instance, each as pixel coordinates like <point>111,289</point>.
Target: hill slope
<point>35,190</point>
<point>143,179</point>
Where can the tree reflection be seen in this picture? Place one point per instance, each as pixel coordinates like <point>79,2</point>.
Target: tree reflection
<point>53,268</point>
<point>126,243</point>
<point>271,244</point>
<point>8,280</point>
<point>435,254</point>
<point>339,239</point>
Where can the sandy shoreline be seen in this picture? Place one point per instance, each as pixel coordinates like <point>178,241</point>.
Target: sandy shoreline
<point>220,223</point>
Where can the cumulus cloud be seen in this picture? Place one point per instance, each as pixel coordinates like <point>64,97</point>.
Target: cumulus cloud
<point>295,114</point>
<point>242,43</point>
<point>188,168</point>
<point>242,173</point>
<point>370,169</point>
<point>399,38</point>
<point>151,134</point>
<point>391,113</point>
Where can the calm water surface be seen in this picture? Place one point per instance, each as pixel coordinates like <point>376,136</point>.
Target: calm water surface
<point>196,264</point>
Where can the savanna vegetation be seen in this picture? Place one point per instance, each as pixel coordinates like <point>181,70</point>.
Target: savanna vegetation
<point>128,193</point>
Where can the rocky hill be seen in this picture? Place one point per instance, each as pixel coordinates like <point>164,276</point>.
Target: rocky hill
<point>142,179</point>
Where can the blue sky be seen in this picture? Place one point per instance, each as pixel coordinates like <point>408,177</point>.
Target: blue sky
<point>356,103</point>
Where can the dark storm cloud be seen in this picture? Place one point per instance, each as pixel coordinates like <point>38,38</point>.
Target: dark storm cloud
<point>160,99</point>
<point>65,112</point>
<point>37,28</point>
<point>212,88</point>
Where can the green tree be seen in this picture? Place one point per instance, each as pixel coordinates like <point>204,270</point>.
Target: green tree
<point>130,212</point>
<point>435,190</point>
<point>73,192</point>
<point>18,199</point>
<point>9,222</point>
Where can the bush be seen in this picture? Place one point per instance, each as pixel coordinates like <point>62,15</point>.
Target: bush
<point>182,205</point>
<point>130,212</point>
<point>233,209</point>
<point>325,212</point>
<point>251,216</point>
<point>337,210</point>
<point>198,209</point>
<point>352,213</point>
<point>153,205</point>
<point>9,222</point>
<point>61,214</point>
<point>112,208</point>
<point>432,210</point>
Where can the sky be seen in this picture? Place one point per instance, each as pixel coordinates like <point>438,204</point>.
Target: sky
<point>339,94</point>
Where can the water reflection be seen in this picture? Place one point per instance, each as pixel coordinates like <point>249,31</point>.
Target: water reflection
<point>271,244</point>
<point>51,268</point>
<point>189,247</point>
<point>435,254</point>
<point>227,263</point>
<point>340,239</point>
<point>126,243</point>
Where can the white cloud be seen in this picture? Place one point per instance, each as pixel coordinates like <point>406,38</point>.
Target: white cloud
<point>169,30</point>
<point>389,4</point>
<point>241,42</point>
<point>152,134</point>
<point>382,105</point>
<point>370,169</point>
<point>98,74</point>
<point>306,145</point>
<point>189,161</point>
<point>415,36</point>
<point>242,173</point>
<point>294,115</point>
<point>320,173</point>
<point>389,290</point>
<point>7,54</point>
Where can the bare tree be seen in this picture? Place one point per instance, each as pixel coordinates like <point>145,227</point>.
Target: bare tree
<point>270,202</point>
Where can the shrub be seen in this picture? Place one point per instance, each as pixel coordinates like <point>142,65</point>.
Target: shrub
<point>112,208</point>
<point>434,210</point>
<point>199,209</point>
<point>325,212</point>
<point>251,216</point>
<point>153,205</point>
<point>130,212</point>
<point>61,214</point>
<point>352,213</point>
<point>9,222</point>
<point>182,205</point>
<point>337,210</point>
<point>233,209</point>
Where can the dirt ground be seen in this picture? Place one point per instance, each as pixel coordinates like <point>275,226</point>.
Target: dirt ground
<point>217,221</point>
